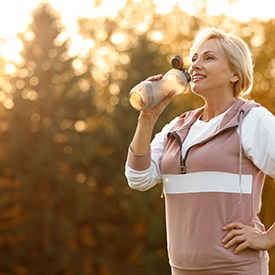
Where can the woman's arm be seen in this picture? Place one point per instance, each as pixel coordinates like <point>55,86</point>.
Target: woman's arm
<point>139,176</point>
<point>142,171</point>
<point>258,139</point>
<point>146,122</point>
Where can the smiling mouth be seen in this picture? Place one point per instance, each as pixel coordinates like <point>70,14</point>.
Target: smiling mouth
<point>198,77</point>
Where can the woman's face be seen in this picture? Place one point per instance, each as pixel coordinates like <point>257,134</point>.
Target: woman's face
<point>210,71</point>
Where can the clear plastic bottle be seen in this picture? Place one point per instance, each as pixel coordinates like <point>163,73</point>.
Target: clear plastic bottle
<point>148,94</point>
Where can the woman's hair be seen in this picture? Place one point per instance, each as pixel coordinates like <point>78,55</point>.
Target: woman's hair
<point>237,53</point>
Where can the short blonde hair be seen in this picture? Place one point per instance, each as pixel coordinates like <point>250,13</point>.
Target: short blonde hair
<point>238,55</point>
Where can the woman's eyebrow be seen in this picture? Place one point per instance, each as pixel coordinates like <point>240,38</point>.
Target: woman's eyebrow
<point>204,53</point>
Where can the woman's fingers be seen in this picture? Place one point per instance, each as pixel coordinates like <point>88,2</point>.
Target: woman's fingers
<point>245,237</point>
<point>154,77</point>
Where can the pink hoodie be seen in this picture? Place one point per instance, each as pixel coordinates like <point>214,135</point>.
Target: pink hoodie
<point>212,185</point>
<point>211,192</point>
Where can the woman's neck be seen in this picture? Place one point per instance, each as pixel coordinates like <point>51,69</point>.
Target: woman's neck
<point>215,108</point>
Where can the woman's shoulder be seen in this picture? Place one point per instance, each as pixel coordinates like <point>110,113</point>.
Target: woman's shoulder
<point>260,112</point>
<point>259,120</point>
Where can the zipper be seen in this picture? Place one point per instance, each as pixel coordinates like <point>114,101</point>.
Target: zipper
<point>183,159</point>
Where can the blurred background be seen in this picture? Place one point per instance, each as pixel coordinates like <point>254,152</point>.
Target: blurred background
<point>65,124</point>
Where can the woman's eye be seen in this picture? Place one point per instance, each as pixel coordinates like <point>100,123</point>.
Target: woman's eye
<point>209,58</point>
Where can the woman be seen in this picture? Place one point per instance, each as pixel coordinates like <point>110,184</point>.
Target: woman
<point>212,163</point>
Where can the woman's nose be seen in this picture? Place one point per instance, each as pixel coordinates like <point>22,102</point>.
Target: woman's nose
<point>196,64</point>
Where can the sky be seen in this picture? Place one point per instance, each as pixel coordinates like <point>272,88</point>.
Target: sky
<point>15,14</point>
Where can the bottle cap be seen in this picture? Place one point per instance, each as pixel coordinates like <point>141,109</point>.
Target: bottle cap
<point>177,62</point>
<point>188,76</point>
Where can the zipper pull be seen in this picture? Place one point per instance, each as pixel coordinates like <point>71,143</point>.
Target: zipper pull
<point>182,166</point>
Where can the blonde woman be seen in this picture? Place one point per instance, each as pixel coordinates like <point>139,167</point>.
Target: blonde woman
<point>212,163</point>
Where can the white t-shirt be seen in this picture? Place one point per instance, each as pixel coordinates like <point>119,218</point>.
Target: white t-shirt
<point>200,130</point>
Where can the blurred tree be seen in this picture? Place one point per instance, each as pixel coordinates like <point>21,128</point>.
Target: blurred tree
<point>71,209</point>
<point>139,217</point>
<point>54,147</point>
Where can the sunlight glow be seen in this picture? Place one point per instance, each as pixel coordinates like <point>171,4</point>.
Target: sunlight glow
<point>15,16</point>
<point>155,36</point>
<point>164,7</point>
<point>11,48</point>
<point>72,10</point>
<point>241,10</point>
<point>244,10</point>
<point>10,68</point>
<point>187,6</point>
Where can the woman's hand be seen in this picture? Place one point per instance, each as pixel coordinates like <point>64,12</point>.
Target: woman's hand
<point>155,77</point>
<point>155,112</point>
<point>245,237</point>
<point>146,121</point>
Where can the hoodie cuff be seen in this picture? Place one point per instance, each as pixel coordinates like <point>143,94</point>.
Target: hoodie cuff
<point>138,162</point>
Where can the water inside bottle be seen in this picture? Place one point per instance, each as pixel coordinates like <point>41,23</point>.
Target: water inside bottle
<point>136,100</point>
<point>148,94</point>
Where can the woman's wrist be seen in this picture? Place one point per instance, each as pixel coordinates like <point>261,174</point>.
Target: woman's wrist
<point>147,119</point>
<point>141,141</point>
<point>271,234</point>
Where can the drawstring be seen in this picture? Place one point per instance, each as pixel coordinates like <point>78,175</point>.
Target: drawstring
<point>240,157</point>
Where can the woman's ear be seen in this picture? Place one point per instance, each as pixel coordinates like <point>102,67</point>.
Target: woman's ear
<point>235,78</point>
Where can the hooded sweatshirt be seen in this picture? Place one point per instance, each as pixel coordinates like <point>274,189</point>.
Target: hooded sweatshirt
<point>211,183</point>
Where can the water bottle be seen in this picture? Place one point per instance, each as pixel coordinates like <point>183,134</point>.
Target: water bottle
<point>148,94</point>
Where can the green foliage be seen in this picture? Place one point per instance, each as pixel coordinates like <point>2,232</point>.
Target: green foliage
<point>65,206</point>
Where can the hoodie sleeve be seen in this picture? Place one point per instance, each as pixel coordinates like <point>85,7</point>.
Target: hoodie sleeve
<point>258,128</point>
<point>143,171</point>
